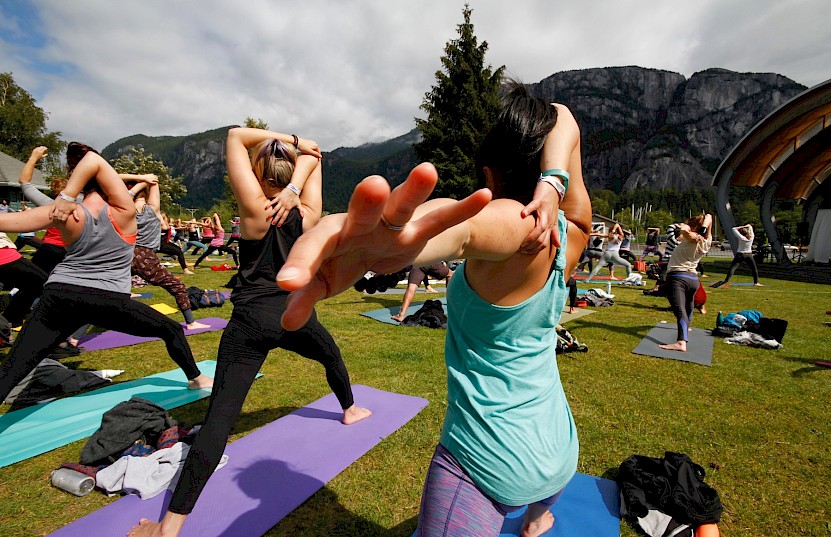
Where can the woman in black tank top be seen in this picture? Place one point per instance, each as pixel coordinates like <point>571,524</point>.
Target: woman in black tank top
<point>286,168</point>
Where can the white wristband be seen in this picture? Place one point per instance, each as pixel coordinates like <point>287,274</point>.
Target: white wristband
<point>554,181</point>
<point>293,188</point>
<point>66,198</point>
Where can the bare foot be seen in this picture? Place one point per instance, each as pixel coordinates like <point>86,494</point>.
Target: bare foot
<point>429,289</point>
<point>134,295</point>
<point>146,528</point>
<point>535,528</point>
<point>677,346</point>
<point>703,309</point>
<point>196,324</point>
<point>399,317</point>
<point>613,278</point>
<point>355,414</point>
<point>758,285</point>
<point>571,310</point>
<point>187,271</point>
<point>202,382</point>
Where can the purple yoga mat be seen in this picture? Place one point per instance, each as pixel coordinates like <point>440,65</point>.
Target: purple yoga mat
<point>270,471</point>
<point>112,339</point>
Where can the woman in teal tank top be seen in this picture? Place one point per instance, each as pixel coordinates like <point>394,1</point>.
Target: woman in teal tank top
<point>508,438</point>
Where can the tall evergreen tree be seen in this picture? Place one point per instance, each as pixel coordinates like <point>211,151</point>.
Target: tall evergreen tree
<point>138,161</point>
<point>460,108</point>
<point>23,122</point>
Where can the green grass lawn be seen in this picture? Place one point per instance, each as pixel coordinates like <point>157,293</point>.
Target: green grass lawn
<point>757,420</point>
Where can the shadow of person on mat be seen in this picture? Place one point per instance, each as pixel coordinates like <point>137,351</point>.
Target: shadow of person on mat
<point>323,514</point>
<point>275,504</point>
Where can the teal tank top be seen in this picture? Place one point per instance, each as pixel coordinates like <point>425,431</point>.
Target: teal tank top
<point>508,422</point>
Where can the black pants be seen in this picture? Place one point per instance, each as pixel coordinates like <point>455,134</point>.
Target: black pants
<point>168,248</point>
<point>748,260</point>
<point>48,256</point>
<point>29,280</point>
<point>210,249</point>
<point>63,308</point>
<point>572,291</point>
<point>681,294</point>
<point>253,331</point>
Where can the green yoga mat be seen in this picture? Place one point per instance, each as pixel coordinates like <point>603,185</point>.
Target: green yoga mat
<point>34,430</point>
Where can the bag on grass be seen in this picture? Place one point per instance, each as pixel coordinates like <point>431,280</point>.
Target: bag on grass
<point>204,298</point>
<point>431,315</point>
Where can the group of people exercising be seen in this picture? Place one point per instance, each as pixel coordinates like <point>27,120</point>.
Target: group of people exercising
<point>508,439</point>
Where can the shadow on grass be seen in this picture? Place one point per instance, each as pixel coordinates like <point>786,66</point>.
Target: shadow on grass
<point>636,331</point>
<point>810,366</point>
<point>323,514</point>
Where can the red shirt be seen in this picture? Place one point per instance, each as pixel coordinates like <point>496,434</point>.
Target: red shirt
<point>53,236</point>
<point>8,255</point>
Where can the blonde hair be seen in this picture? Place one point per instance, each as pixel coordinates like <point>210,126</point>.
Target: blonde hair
<point>273,162</point>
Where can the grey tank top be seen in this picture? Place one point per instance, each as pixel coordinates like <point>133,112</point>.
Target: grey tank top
<point>100,258</point>
<point>149,229</point>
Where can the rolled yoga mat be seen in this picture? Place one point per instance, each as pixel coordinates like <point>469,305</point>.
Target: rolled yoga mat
<point>270,471</point>
<point>699,346</point>
<point>34,430</point>
<point>112,339</point>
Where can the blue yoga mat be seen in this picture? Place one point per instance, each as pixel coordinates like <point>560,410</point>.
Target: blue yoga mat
<point>34,430</point>
<point>589,507</point>
<point>270,472</point>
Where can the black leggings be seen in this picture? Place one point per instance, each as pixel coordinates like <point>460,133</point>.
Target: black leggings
<point>681,294</point>
<point>63,308</point>
<point>572,291</point>
<point>210,249</point>
<point>29,280</point>
<point>168,248</point>
<point>253,331</point>
<point>748,260</point>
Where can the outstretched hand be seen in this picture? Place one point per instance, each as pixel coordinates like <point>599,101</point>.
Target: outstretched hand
<point>340,249</point>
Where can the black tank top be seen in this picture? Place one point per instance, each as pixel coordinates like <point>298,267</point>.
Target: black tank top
<point>261,260</point>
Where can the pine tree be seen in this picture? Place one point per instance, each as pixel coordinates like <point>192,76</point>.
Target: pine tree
<point>460,108</point>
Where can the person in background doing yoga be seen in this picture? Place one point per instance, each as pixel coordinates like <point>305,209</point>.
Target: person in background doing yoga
<point>273,168</point>
<point>194,237</point>
<point>681,276</point>
<point>744,254</point>
<point>217,244</point>
<point>92,283</point>
<point>147,198</point>
<point>651,246</point>
<point>612,253</point>
<point>416,275</point>
<point>509,438</point>
<point>166,244</point>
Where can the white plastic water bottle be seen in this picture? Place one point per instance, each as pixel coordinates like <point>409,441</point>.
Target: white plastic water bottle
<point>608,288</point>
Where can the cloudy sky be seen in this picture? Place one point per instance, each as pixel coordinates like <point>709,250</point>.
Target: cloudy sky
<point>347,72</point>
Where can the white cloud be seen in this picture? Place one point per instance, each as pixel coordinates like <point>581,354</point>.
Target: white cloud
<point>345,73</point>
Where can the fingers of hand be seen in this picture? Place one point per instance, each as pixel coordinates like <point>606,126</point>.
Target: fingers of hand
<point>410,194</point>
<point>300,304</point>
<point>310,250</point>
<point>366,206</point>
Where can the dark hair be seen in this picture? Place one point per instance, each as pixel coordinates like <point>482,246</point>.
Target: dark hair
<point>513,146</point>
<point>75,151</point>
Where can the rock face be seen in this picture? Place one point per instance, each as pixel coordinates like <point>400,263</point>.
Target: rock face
<point>645,128</point>
<point>641,128</point>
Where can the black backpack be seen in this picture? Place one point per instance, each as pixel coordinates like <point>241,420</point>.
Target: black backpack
<point>431,315</point>
<point>204,298</point>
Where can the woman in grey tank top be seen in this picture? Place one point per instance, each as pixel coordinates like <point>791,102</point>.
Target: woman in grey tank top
<point>92,283</point>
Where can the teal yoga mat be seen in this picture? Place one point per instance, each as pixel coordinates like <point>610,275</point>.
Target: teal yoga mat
<point>34,430</point>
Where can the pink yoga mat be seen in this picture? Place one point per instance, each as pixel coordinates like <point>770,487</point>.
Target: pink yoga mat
<point>270,471</point>
<point>112,339</point>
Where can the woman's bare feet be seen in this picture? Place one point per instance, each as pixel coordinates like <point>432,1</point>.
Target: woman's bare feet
<point>677,346</point>
<point>170,526</point>
<point>355,414</point>
<point>399,317</point>
<point>202,382</point>
<point>534,526</point>
<point>758,285</point>
<point>187,271</point>
<point>703,309</point>
<point>196,324</point>
<point>571,310</point>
